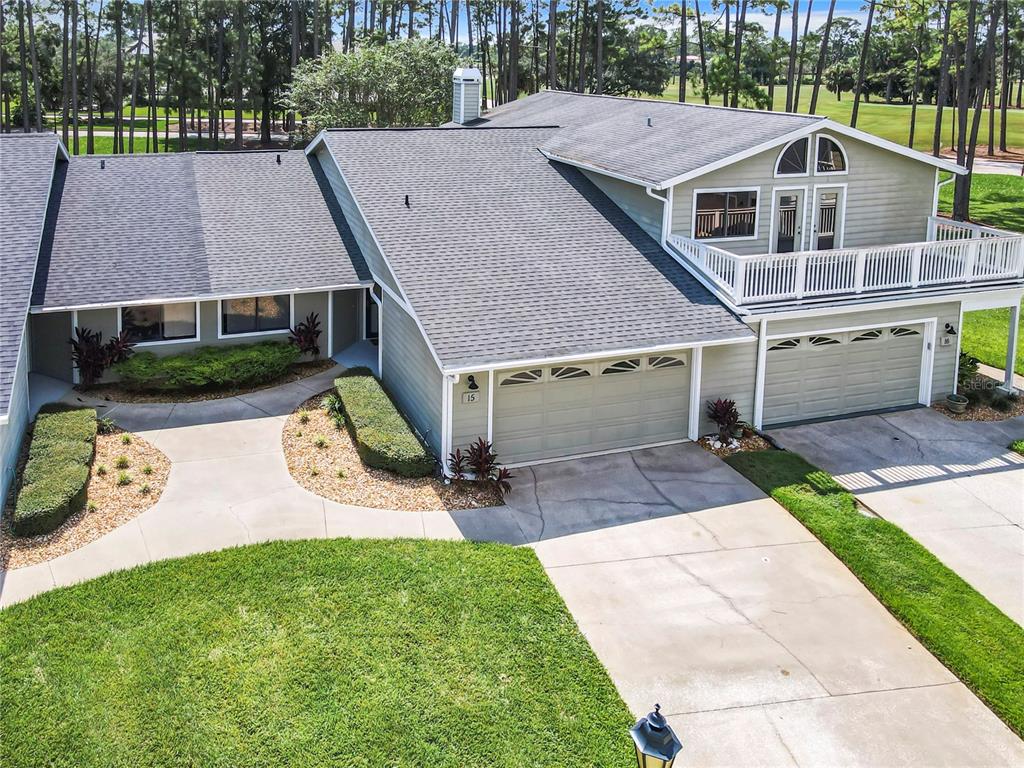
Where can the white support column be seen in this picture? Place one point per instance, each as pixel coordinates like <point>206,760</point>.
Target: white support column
<point>696,360</point>
<point>490,406</point>
<point>75,376</point>
<point>1011,348</point>
<point>330,323</point>
<point>762,359</point>
<point>924,394</point>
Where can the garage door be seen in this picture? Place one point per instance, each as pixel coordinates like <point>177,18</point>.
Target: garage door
<point>553,411</point>
<point>813,377</point>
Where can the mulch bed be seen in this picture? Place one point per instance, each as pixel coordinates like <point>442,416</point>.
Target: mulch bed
<point>750,442</point>
<point>335,471</point>
<point>116,393</point>
<point>108,504</point>
<point>983,411</point>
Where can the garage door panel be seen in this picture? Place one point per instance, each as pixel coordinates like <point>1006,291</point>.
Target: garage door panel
<point>809,381</point>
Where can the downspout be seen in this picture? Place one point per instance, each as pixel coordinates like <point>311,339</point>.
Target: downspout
<point>666,212</point>
<point>938,187</point>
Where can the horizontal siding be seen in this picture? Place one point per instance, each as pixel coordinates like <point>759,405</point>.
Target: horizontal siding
<point>728,372</point>
<point>633,200</point>
<point>409,372</point>
<point>888,197</point>
<point>944,369</point>
<point>13,432</point>
<point>371,253</point>
<point>469,420</point>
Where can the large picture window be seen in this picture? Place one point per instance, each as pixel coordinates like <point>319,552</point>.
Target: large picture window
<point>256,314</point>
<point>725,214</point>
<point>159,322</point>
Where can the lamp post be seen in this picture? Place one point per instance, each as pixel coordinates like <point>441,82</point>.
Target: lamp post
<point>656,743</point>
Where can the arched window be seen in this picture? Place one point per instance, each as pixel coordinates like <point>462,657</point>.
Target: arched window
<point>830,156</point>
<point>793,160</point>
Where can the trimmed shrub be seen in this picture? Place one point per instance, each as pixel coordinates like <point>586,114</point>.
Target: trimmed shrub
<point>53,484</point>
<point>382,436</point>
<point>208,367</point>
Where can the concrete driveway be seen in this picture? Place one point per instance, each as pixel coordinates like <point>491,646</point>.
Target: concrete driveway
<point>698,592</point>
<point>952,485</point>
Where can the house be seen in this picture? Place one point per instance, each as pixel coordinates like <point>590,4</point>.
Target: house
<point>565,275</point>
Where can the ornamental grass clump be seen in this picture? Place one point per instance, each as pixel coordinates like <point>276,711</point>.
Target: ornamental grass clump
<point>53,483</point>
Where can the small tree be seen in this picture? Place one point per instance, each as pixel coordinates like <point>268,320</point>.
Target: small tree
<point>725,416</point>
<point>306,335</point>
<point>92,357</point>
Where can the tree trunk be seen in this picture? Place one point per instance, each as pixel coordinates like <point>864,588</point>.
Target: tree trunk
<point>237,71</point>
<point>740,22</point>
<point>219,123</point>
<point>916,83</point>
<point>64,79</point>
<point>118,77</point>
<point>822,58</point>
<point>682,46</point>
<point>22,69</point>
<point>35,66</point>
<point>135,79</point>
<point>962,185</point>
<point>773,74</point>
<point>726,53</point>
<point>582,80</point>
<point>1007,84</point>
<point>350,32</point>
<point>703,54</point>
<point>552,31</point>
<point>453,26</point>
<point>987,68</point>
<point>943,94</point>
<point>152,110</point>
<point>863,65</point>
<point>791,69</point>
<point>74,73</point>
<point>90,76</point>
<point>800,63</point>
<point>182,81</point>
<point>992,86</point>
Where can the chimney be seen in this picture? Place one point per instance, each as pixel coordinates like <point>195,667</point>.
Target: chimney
<point>466,95</point>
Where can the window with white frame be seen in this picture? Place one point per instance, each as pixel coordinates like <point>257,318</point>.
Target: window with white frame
<point>793,160</point>
<point>720,215</point>
<point>255,314</point>
<point>563,372</point>
<point>874,333</point>
<point>621,366</point>
<point>831,158</point>
<point>784,344</point>
<point>151,323</point>
<point>900,332</point>
<point>665,361</point>
<point>531,376</point>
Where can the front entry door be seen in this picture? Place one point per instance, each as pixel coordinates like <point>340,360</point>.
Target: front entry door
<point>827,219</point>
<point>789,217</point>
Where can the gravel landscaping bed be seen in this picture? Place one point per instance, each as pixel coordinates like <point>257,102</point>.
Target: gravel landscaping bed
<point>116,393</point>
<point>751,442</point>
<point>323,459</point>
<point>982,411</point>
<point>109,504</point>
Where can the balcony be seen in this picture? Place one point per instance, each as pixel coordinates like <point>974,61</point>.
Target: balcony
<point>956,253</point>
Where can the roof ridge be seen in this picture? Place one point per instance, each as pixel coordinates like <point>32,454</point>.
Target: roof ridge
<point>690,104</point>
<point>424,128</point>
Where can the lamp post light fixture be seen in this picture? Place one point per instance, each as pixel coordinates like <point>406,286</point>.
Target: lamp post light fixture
<point>656,743</point>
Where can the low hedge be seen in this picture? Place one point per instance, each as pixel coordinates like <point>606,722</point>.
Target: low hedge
<point>382,436</point>
<point>54,481</point>
<point>208,367</point>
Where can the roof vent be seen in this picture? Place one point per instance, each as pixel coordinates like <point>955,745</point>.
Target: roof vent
<point>279,159</point>
<point>466,95</point>
<point>650,121</point>
<point>103,164</point>
<point>406,201</point>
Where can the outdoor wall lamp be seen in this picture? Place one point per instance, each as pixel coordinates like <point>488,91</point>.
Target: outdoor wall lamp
<point>471,383</point>
<point>655,741</point>
<point>950,329</point>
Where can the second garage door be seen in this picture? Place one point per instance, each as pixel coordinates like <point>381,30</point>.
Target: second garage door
<point>547,412</point>
<point>818,376</point>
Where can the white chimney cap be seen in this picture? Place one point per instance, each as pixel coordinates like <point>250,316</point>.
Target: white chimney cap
<point>468,75</point>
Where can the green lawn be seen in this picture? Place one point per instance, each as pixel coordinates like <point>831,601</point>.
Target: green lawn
<point>978,642</point>
<point>890,121</point>
<point>996,200</point>
<point>313,653</point>
<point>104,145</point>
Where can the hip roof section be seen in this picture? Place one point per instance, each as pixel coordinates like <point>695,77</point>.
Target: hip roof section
<point>505,255</point>
<point>132,228</point>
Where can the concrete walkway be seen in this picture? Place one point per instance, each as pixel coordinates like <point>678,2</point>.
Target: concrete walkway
<point>952,485</point>
<point>229,485</point>
<point>698,592</point>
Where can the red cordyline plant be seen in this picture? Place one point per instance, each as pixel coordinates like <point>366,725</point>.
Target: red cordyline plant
<point>725,416</point>
<point>482,461</point>
<point>92,357</point>
<point>306,335</point>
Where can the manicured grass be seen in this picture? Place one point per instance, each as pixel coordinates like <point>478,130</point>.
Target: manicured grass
<point>890,121</point>
<point>973,638</point>
<point>104,145</point>
<point>996,200</point>
<point>312,653</point>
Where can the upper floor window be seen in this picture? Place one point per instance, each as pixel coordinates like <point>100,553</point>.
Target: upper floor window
<point>725,214</point>
<point>256,314</point>
<point>793,160</point>
<point>159,322</point>
<point>831,158</point>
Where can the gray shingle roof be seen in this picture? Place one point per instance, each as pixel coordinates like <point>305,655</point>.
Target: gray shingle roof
<point>141,227</point>
<point>612,134</point>
<point>26,170</point>
<point>505,255</point>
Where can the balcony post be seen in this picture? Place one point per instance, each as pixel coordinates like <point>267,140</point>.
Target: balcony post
<point>738,280</point>
<point>972,258</point>
<point>1011,348</point>
<point>800,277</point>
<point>860,261</point>
<point>915,266</point>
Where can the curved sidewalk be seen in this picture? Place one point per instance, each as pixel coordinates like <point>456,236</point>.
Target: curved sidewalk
<point>229,485</point>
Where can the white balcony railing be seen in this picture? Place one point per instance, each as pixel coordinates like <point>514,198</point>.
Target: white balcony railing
<point>956,252</point>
